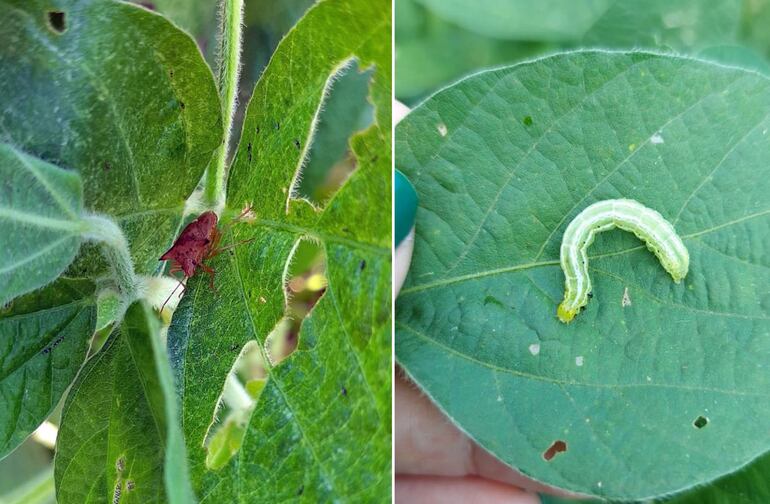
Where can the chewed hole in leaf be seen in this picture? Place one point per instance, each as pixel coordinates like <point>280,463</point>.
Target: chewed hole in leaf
<point>327,158</point>
<point>304,280</point>
<point>57,21</point>
<point>304,284</point>
<point>556,447</point>
<point>700,422</point>
<point>240,393</point>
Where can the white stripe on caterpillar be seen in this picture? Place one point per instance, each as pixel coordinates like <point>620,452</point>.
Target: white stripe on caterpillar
<point>647,224</point>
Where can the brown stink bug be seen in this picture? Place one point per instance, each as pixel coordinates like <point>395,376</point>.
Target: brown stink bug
<point>197,242</point>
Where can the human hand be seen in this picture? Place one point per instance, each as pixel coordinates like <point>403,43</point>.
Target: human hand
<point>434,460</point>
<point>405,208</point>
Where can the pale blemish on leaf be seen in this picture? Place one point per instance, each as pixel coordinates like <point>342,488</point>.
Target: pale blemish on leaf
<point>656,139</point>
<point>442,129</point>
<point>534,348</point>
<point>626,301</point>
<point>579,360</point>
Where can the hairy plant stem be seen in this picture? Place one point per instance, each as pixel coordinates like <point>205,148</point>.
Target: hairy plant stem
<point>115,249</point>
<point>231,18</point>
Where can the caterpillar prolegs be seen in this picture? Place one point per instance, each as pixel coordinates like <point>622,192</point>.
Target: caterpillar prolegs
<point>647,224</point>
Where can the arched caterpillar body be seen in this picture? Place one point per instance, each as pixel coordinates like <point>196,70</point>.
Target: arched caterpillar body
<point>647,224</point>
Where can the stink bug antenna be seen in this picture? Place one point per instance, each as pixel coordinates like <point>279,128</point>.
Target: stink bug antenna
<point>172,293</point>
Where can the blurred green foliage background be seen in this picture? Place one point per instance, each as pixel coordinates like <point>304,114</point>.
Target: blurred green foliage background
<point>440,41</point>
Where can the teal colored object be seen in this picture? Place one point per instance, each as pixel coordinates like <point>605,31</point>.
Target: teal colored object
<point>406,207</point>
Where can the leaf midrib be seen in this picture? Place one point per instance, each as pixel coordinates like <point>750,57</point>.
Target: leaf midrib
<point>531,265</point>
<point>329,237</point>
<point>63,204</point>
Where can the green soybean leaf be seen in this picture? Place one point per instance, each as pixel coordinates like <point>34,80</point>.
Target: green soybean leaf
<point>746,486</point>
<point>680,24</point>
<point>345,112</point>
<point>749,485</point>
<point>44,339</point>
<point>40,222</point>
<point>119,430</point>
<point>737,55</point>
<point>320,430</point>
<point>656,386</point>
<point>118,94</point>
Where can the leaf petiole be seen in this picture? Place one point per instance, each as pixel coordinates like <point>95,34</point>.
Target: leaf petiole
<point>115,249</point>
<point>229,57</point>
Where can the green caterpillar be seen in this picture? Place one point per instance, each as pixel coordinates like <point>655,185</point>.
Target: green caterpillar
<point>629,215</point>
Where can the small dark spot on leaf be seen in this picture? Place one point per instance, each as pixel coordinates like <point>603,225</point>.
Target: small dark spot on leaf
<point>344,391</point>
<point>362,265</point>
<point>375,158</point>
<point>120,464</point>
<point>248,148</point>
<point>171,73</point>
<point>558,446</point>
<point>277,125</point>
<point>296,143</point>
<point>234,347</point>
<point>6,307</point>
<point>527,120</point>
<point>301,490</point>
<point>57,20</point>
<point>345,230</point>
<point>130,485</point>
<point>700,422</point>
<point>53,345</point>
<point>106,166</point>
<point>493,300</point>
<point>590,295</point>
<point>181,104</point>
<point>257,130</point>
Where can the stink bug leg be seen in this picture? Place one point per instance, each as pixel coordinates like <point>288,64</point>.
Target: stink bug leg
<point>198,241</point>
<point>172,293</point>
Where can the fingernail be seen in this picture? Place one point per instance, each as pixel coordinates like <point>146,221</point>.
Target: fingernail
<point>406,206</point>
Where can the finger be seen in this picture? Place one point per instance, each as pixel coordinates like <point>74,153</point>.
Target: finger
<point>405,209</point>
<point>437,489</point>
<point>401,261</point>
<point>426,443</point>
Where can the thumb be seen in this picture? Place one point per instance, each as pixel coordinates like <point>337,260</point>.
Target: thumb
<point>405,209</point>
